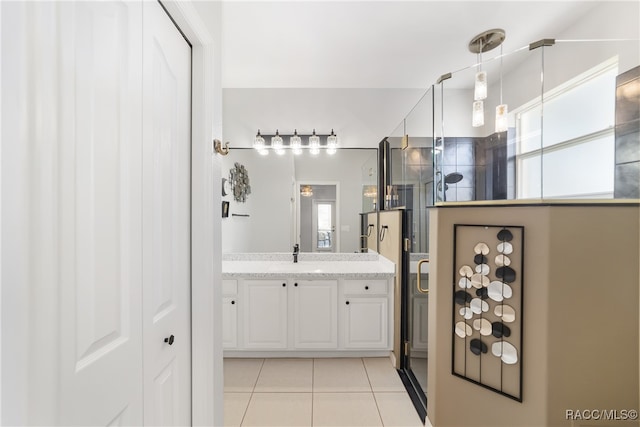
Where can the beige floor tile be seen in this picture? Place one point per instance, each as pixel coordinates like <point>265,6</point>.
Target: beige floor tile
<point>397,410</point>
<point>427,423</point>
<point>279,409</point>
<point>345,409</point>
<point>235,405</point>
<point>285,375</point>
<point>382,375</point>
<point>240,375</point>
<point>340,375</point>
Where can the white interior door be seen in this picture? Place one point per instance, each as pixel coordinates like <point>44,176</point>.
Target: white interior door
<point>323,225</point>
<point>99,212</point>
<point>166,220</point>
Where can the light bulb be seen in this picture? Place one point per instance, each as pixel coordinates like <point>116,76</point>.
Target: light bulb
<point>295,142</point>
<point>480,91</point>
<point>314,143</point>
<point>478,114</point>
<point>258,142</point>
<point>501,118</point>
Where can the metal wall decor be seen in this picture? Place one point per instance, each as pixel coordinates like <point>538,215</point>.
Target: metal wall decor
<point>239,179</point>
<point>487,307</point>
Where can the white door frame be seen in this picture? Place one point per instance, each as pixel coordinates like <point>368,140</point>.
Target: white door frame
<point>206,265</point>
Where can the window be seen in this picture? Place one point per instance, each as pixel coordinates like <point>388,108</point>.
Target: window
<point>573,155</point>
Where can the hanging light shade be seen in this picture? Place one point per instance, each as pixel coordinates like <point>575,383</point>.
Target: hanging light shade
<point>332,143</point>
<point>501,118</point>
<point>258,142</point>
<point>480,89</point>
<point>277,143</point>
<point>477,114</point>
<point>314,143</point>
<point>306,191</point>
<point>295,142</point>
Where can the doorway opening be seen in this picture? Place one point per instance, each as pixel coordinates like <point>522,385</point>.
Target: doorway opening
<point>318,219</point>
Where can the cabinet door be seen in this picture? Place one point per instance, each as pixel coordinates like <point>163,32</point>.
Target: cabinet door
<point>265,314</point>
<point>229,322</point>
<point>315,314</point>
<point>366,322</point>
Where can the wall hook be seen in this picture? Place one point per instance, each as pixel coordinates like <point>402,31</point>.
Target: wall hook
<point>217,145</point>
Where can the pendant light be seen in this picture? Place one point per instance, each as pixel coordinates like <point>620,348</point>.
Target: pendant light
<point>483,42</point>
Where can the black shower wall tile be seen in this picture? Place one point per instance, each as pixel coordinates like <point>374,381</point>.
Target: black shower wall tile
<point>464,156</point>
<point>627,181</point>
<point>628,147</point>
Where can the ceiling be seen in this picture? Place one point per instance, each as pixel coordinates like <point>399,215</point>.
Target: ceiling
<point>372,44</point>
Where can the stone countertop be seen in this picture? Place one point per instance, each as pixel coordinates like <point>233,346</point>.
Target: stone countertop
<point>309,266</point>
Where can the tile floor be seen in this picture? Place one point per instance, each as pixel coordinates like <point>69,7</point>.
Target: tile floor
<point>315,392</point>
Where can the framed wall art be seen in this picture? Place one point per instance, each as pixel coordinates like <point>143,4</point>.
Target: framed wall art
<point>487,322</point>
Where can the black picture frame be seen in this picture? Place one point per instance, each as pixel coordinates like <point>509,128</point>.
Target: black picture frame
<point>472,357</point>
<point>225,209</point>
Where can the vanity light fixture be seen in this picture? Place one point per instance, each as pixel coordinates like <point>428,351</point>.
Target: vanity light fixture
<point>483,42</point>
<point>295,143</point>
<point>314,143</point>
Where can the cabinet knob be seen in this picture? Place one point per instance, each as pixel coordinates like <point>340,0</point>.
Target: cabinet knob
<point>295,284</point>
<point>347,303</point>
<point>366,288</point>
<point>169,340</point>
<point>233,302</point>
<point>284,284</point>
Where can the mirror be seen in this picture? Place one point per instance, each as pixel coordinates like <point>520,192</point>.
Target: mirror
<point>277,213</point>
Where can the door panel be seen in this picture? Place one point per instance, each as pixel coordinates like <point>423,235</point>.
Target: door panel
<point>100,214</point>
<point>166,220</point>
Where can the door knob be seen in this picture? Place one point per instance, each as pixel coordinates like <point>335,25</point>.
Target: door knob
<point>169,340</point>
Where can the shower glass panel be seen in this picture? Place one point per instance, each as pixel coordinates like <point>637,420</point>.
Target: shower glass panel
<point>412,183</point>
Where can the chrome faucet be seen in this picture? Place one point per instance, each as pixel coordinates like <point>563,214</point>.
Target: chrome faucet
<point>296,251</point>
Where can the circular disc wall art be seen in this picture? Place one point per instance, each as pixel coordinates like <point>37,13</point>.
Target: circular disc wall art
<point>487,316</point>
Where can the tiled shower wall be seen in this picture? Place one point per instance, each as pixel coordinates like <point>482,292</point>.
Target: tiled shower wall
<point>627,135</point>
<point>487,165</point>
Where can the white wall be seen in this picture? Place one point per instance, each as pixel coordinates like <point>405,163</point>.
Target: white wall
<point>366,115</point>
<point>269,206</point>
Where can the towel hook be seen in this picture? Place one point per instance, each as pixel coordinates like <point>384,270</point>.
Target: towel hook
<point>217,145</point>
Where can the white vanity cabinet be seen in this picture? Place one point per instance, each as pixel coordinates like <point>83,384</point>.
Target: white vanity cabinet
<point>365,319</point>
<point>315,314</point>
<point>327,305</point>
<point>265,314</point>
<point>229,314</point>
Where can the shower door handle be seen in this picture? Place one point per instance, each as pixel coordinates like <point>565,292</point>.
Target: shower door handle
<point>418,284</point>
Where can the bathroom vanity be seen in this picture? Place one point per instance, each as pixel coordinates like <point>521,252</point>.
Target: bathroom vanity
<point>325,305</point>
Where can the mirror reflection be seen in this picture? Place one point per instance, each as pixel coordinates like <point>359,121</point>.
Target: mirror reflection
<point>312,200</point>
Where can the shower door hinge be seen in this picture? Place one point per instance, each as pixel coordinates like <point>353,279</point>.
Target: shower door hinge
<point>407,244</point>
<point>406,348</point>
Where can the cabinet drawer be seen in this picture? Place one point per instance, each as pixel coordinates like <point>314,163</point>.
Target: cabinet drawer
<point>365,287</point>
<point>229,287</point>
